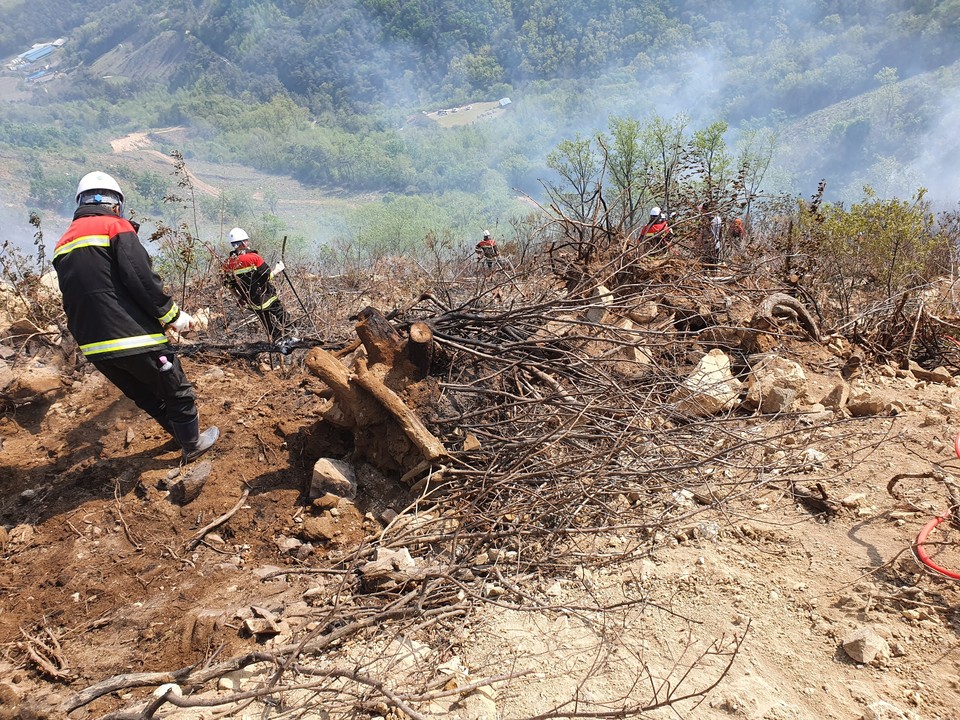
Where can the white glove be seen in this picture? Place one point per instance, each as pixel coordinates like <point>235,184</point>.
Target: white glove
<point>183,322</point>
<point>277,269</point>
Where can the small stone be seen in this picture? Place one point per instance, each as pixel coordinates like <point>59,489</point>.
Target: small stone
<point>326,501</point>
<point>853,500</point>
<point>865,645</point>
<point>388,516</point>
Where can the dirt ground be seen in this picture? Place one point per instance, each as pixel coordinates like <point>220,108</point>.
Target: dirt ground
<point>99,576</point>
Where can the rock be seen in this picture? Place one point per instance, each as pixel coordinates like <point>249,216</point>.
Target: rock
<point>389,568</point>
<point>202,627</point>
<point>774,384</point>
<point>322,528</point>
<point>333,476</point>
<point>865,645</point>
<point>645,313</point>
<point>187,488</point>
<point>838,395</point>
<point>853,500</point>
<point>266,571</point>
<point>171,688</point>
<point>288,545</point>
<point>35,384</point>
<point>234,680</point>
<point>937,375</point>
<point>559,327</point>
<point>711,388</point>
<point>778,400</point>
<point>326,501</point>
<point>866,405</point>
<point>261,626</point>
<point>554,589</point>
<point>812,458</point>
<point>600,299</point>
<point>213,373</point>
<point>388,516</point>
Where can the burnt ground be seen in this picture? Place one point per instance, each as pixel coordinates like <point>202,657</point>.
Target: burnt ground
<point>100,579</point>
<point>97,553</point>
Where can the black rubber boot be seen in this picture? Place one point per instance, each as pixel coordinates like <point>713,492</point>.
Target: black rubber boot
<point>192,441</point>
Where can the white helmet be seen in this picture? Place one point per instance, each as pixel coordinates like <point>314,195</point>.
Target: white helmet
<point>238,235</point>
<point>96,187</point>
<point>655,211</point>
<point>486,233</point>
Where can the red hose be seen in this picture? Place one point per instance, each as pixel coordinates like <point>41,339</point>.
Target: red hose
<point>918,548</point>
<point>922,553</point>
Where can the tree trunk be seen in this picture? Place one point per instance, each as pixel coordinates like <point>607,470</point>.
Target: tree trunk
<point>420,348</point>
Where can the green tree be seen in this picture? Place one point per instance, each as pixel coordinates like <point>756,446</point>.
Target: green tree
<point>630,169</point>
<point>666,140</point>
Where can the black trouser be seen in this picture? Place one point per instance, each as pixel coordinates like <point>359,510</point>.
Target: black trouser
<point>166,395</point>
<point>275,320</point>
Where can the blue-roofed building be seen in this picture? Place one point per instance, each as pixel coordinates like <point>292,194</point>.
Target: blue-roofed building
<point>41,51</point>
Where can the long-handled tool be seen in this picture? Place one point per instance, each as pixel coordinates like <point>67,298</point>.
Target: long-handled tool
<point>283,250</point>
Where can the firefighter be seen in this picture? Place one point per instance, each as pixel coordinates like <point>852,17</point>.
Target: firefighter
<point>487,250</point>
<point>657,232</point>
<point>248,277</point>
<point>736,231</point>
<point>117,311</point>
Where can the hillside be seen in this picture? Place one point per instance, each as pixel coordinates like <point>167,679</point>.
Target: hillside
<point>592,544</point>
<point>322,95</point>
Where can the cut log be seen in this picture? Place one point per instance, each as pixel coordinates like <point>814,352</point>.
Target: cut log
<point>382,342</point>
<point>351,407</point>
<point>420,348</point>
<point>326,367</point>
<point>414,429</point>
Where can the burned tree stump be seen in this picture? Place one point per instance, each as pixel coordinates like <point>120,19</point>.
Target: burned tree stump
<point>367,394</point>
<point>382,343</point>
<point>420,348</point>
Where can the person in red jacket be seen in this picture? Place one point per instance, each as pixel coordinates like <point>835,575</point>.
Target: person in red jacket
<point>248,277</point>
<point>117,311</point>
<point>487,251</point>
<point>656,233</point>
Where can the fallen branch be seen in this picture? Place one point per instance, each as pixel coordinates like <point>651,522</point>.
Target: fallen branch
<point>199,535</point>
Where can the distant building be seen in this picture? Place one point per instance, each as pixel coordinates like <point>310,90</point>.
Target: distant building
<point>37,53</point>
<point>505,101</point>
<point>39,75</point>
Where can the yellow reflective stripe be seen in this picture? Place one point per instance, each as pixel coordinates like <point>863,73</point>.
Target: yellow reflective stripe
<point>172,313</point>
<point>123,344</point>
<point>267,304</point>
<point>241,271</point>
<point>83,241</point>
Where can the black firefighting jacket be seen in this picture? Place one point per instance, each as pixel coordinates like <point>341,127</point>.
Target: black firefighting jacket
<point>115,302</point>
